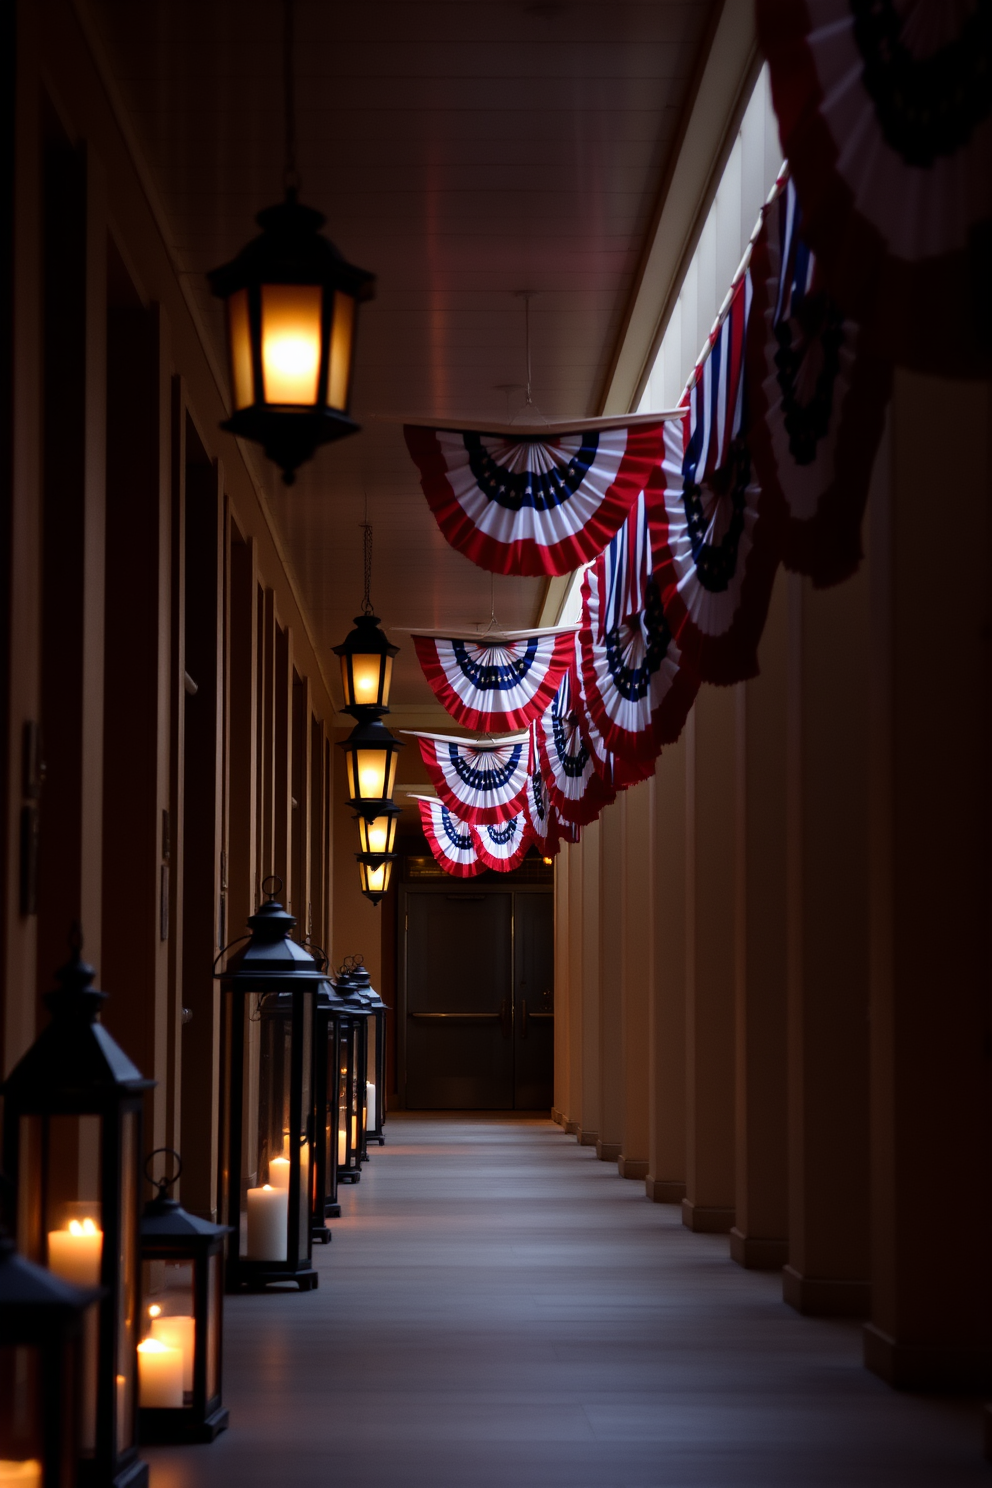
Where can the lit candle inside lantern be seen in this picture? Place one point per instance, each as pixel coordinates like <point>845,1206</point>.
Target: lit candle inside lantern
<point>176,1332</point>
<point>354,1131</point>
<point>75,1253</point>
<point>22,1474</point>
<point>342,1147</point>
<point>160,1376</point>
<point>268,1213</point>
<point>279,1169</point>
<point>369,1105</point>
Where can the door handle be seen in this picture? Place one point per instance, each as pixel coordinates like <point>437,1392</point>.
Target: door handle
<point>484,1017</point>
<point>523,1017</point>
<point>506,1017</point>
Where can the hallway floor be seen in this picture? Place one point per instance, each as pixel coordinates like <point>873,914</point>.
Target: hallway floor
<point>500,1310</point>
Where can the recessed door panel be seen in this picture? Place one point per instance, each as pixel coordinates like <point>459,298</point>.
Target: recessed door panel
<point>533,1020</point>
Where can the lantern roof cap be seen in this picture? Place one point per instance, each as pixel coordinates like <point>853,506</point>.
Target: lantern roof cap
<point>166,1219</point>
<point>367,638</point>
<point>75,1055</point>
<point>291,249</point>
<point>270,950</point>
<point>22,1283</point>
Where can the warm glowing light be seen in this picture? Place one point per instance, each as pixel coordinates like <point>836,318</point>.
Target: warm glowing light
<point>342,334</point>
<point>291,342</point>
<point>24,1474</point>
<point>76,1252</point>
<point>154,1310</point>
<point>239,337</point>
<point>160,1375</point>
<point>548,861</point>
<point>365,673</point>
<point>84,1227</point>
<point>377,836</point>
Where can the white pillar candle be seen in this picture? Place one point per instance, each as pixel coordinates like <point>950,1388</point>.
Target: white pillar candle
<point>160,1376</point>
<point>268,1215</point>
<point>342,1147</point>
<point>75,1253</point>
<point>279,1169</point>
<point>369,1106</point>
<point>178,1332</point>
<point>20,1474</point>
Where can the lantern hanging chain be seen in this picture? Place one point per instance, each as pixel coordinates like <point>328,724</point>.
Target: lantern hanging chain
<point>367,532</point>
<point>527,298</point>
<point>292,177</point>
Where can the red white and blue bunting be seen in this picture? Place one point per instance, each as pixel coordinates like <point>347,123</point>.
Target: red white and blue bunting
<point>576,788</point>
<point>532,503</point>
<point>495,684</point>
<point>716,561</point>
<point>817,399</point>
<point>540,811</point>
<point>451,841</point>
<point>635,688</point>
<point>503,845</point>
<point>885,114</point>
<point>480,781</point>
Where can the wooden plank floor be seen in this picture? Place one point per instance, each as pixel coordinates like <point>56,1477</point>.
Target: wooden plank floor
<point>500,1310</point>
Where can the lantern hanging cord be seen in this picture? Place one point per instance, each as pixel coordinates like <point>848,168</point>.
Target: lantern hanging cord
<point>527,299</point>
<point>367,533</point>
<point>292,177</point>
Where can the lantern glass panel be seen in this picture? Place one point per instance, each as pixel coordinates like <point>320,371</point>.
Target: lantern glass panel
<point>60,1225</point>
<point>239,341</point>
<point>360,674</point>
<point>291,343</point>
<point>215,1303</point>
<point>374,880</point>
<point>127,1300</point>
<point>342,337</point>
<point>165,1373</point>
<point>21,1431</point>
<point>343,1104</point>
<point>377,836</point>
<point>280,1141</point>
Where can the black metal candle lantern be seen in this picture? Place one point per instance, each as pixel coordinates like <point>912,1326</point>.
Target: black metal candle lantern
<point>267,1119</point>
<point>182,1310</point>
<point>366,666</point>
<point>333,1019</point>
<point>72,1149</point>
<point>42,1323</point>
<point>375,1087</point>
<point>370,752</point>
<point>352,1062</point>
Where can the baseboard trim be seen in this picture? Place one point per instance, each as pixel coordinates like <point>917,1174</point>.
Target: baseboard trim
<point>632,1167</point>
<point>816,1296</point>
<point>588,1139</point>
<point>756,1253</point>
<point>607,1151</point>
<point>557,1117</point>
<point>664,1190</point>
<point>936,1369</point>
<point>572,1128</point>
<point>707,1219</point>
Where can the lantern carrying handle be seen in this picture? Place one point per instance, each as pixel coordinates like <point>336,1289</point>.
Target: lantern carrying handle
<point>229,947</point>
<point>163,1184</point>
<point>270,894</point>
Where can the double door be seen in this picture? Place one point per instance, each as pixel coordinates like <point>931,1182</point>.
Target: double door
<point>479,1024</point>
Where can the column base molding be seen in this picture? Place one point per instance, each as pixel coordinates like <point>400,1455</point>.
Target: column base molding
<point>755,1253</point>
<point>664,1190</point>
<point>940,1369</point>
<point>632,1167</point>
<point>707,1219</point>
<point>587,1138</point>
<point>607,1151</point>
<point>572,1128</point>
<point>815,1296</point>
<point>557,1117</point>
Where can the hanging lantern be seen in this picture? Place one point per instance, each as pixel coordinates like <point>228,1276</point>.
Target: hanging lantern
<point>351,1066</point>
<point>266,1158</point>
<point>377,839</point>
<point>366,668</point>
<point>375,1083</point>
<point>182,1312</point>
<point>43,1322</point>
<point>374,872</point>
<point>370,753</point>
<point>292,307</point>
<point>72,1146</point>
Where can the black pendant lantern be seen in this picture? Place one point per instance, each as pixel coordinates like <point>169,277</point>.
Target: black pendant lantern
<point>366,668</point>
<point>370,753</point>
<point>267,1121</point>
<point>352,1062</point>
<point>375,1087</point>
<point>43,1321</point>
<point>182,1312</point>
<point>374,873</point>
<point>292,308</point>
<point>72,1149</point>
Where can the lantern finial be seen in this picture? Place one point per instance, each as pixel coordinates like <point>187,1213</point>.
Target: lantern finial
<point>75,995</point>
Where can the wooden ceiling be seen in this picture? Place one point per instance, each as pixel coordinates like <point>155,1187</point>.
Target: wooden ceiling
<point>463,150</point>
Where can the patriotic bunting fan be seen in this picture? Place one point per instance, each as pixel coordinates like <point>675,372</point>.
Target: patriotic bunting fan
<point>817,400</point>
<point>495,683</point>
<point>885,113</point>
<point>716,561</point>
<point>540,812</point>
<point>451,841</point>
<point>535,503</point>
<point>478,780</point>
<point>635,688</point>
<point>576,789</point>
<point>503,846</point>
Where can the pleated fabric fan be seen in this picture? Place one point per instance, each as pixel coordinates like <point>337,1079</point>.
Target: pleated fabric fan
<point>479,780</point>
<point>576,788</point>
<point>503,845</point>
<point>451,841</point>
<point>495,683</point>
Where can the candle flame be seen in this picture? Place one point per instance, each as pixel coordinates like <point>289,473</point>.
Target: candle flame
<point>86,1228</point>
<point>267,1186</point>
<point>155,1346</point>
<point>154,1310</point>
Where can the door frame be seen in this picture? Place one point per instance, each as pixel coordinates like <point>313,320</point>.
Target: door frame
<point>447,887</point>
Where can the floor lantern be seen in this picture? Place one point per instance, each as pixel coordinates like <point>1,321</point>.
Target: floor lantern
<point>352,1061</point>
<point>375,1088</point>
<point>182,1314</point>
<point>72,1150</point>
<point>331,1035</point>
<point>43,1321</point>
<point>269,987</point>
